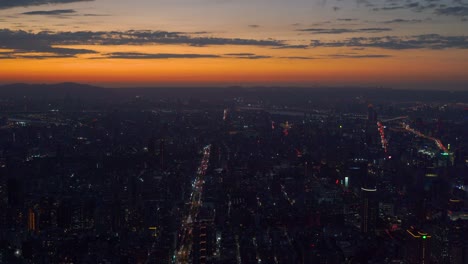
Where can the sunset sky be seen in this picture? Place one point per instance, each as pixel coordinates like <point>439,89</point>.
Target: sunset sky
<point>392,43</point>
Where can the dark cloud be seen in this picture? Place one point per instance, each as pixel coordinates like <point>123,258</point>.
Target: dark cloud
<point>401,21</point>
<point>366,3</point>
<point>23,42</point>
<point>292,47</point>
<point>26,42</point>
<point>453,11</point>
<point>358,56</point>
<point>344,30</point>
<point>347,19</point>
<point>457,8</point>
<point>240,54</point>
<point>255,57</point>
<point>297,58</point>
<point>42,57</point>
<point>51,12</point>
<point>4,4</point>
<point>131,37</point>
<point>250,56</point>
<point>6,55</point>
<point>95,15</point>
<point>16,55</point>
<point>45,41</point>
<point>386,8</point>
<point>135,55</point>
<point>416,6</point>
<point>429,41</point>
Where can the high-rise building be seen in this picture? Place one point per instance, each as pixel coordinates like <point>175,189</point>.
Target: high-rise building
<point>418,246</point>
<point>371,114</point>
<point>204,237</point>
<point>15,193</point>
<point>369,201</point>
<point>440,240</point>
<point>457,243</point>
<point>369,210</point>
<point>458,228</point>
<point>31,220</point>
<point>162,150</point>
<point>3,198</point>
<point>152,146</point>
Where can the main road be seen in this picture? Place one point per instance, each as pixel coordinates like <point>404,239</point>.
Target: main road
<point>185,238</point>
<point>437,141</point>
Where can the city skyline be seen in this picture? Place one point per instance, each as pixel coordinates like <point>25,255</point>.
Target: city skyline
<point>399,44</point>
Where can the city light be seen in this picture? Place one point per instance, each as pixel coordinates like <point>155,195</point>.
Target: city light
<point>85,189</point>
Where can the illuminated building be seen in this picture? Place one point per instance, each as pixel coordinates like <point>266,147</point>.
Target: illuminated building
<point>369,210</point>
<point>428,195</point>
<point>369,203</point>
<point>446,159</point>
<point>204,237</point>
<point>225,114</point>
<point>31,220</point>
<point>355,169</point>
<point>418,246</point>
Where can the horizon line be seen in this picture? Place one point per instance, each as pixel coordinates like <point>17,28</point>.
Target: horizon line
<point>227,86</point>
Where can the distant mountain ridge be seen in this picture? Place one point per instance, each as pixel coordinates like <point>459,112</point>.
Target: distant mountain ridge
<point>96,93</point>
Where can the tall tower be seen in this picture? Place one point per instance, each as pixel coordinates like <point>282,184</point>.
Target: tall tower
<point>369,210</point>
<point>372,135</point>
<point>371,114</point>
<point>418,246</point>
<point>31,220</point>
<point>369,201</point>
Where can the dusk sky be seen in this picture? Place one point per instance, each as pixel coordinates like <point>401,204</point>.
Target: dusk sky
<point>392,43</point>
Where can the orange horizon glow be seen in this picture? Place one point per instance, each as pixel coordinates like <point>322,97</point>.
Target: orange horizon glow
<point>234,70</point>
<point>294,42</point>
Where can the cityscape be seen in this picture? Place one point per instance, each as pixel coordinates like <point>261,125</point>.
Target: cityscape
<point>242,175</point>
<point>234,132</point>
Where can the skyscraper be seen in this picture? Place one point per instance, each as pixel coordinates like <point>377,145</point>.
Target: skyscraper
<point>31,220</point>
<point>369,202</point>
<point>3,198</point>
<point>371,114</point>
<point>418,246</point>
<point>369,210</point>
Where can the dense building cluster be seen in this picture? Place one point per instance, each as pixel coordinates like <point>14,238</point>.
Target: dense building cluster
<point>237,179</point>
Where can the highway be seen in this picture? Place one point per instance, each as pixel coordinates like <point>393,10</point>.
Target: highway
<point>438,142</point>
<point>185,238</point>
<point>383,140</point>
